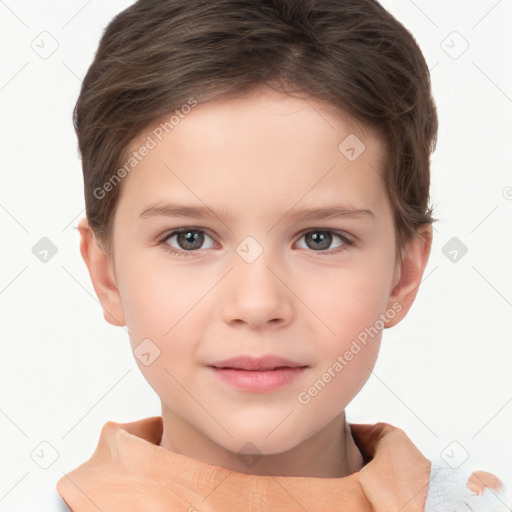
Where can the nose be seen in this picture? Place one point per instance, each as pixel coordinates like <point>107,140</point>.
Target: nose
<point>256,295</point>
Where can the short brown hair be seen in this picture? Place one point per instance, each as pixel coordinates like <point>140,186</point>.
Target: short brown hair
<point>157,54</point>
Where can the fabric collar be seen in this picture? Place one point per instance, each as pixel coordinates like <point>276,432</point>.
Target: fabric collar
<point>129,471</point>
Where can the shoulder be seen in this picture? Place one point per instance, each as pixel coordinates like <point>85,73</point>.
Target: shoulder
<point>454,490</point>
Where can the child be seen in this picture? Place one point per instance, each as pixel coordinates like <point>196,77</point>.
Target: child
<point>257,183</point>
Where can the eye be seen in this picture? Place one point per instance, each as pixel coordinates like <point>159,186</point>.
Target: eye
<point>187,240</point>
<point>184,242</point>
<point>320,239</point>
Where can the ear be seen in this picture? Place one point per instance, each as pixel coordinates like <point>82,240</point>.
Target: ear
<point>410,272</point>
<point>101,270</point>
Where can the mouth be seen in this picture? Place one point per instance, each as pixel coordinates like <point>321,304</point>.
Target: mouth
<point>269,369</point>
<point>263,363</point>
<point>257,375</point>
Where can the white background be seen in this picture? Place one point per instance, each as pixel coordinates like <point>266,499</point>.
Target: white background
<point>443,374</point>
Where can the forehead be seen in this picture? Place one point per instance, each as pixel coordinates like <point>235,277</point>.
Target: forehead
<point>264,146</point>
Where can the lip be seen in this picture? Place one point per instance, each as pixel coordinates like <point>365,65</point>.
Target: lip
<point>268,362</point>
<point>257,375</point>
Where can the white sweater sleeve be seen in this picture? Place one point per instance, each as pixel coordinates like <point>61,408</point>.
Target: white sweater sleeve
<point>447,492</point>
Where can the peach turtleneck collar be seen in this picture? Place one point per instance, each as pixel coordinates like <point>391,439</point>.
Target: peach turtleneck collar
<point>129,471</point>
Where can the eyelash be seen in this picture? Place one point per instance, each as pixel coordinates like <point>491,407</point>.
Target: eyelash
<point>347,242</point>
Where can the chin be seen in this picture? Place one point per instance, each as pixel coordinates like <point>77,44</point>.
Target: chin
<point>258,441</point>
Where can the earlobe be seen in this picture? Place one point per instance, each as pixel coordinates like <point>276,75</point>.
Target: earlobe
<point>101,272</point>
<point>415,259</point>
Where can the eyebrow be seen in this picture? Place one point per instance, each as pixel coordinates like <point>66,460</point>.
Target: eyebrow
<point>203,212</point>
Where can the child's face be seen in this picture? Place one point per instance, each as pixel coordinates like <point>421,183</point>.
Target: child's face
<point>308,297</point>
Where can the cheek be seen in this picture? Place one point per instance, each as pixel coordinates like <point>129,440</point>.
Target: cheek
<point>346,300</point>
<point>348,305</point>
<point>338,380</point>
<point>159,306</point>
<point>156,296</point>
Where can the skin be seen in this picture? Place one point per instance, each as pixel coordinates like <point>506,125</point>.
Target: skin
<point>256,160</point>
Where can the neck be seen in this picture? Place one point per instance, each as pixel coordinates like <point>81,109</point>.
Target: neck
<point>329,453</point>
